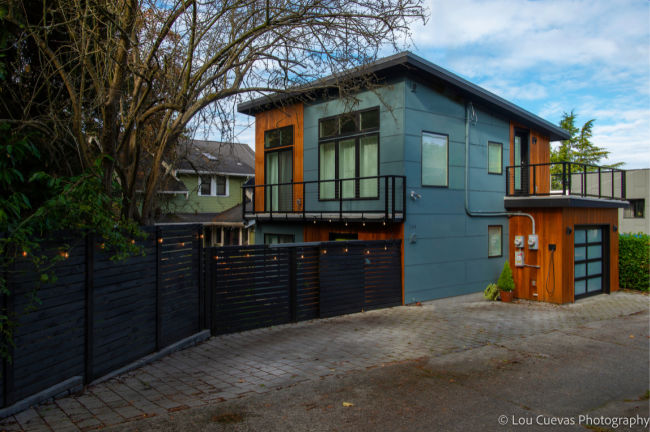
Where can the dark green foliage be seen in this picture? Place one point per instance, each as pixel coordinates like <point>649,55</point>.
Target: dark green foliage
<point>506,282</point>
<point>634,261</point>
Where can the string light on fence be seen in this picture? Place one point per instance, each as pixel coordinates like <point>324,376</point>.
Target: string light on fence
<point>24,253</point>
<point>201,236</point>
<point>275,258</point>
<point>182,244</point>
<point>64,254</point>
<point>160,240</point>
<point>345,250</point>
<point>367,251</point>
<point>302,256</point>
<point>324,251</point>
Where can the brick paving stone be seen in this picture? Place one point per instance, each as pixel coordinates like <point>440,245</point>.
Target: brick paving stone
<point>262,360</point>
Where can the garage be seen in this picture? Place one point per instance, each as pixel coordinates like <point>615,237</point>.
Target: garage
<point>590,261</point>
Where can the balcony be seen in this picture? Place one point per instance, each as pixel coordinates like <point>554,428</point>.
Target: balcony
<point>360,199</point>
<point>564,184</point>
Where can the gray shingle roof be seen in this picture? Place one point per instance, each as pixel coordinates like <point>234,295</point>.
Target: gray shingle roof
<point>215,157</point>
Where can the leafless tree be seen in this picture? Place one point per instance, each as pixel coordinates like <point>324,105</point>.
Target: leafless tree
<point>135,73</point>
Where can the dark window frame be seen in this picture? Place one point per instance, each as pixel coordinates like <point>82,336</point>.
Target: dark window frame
<point>633,209</point>
<point>279,130</point>
<point>500,240</point>
<point>278,235</point>
<point>356,135</point>
<point>500,172</point>
<point>446,186</point>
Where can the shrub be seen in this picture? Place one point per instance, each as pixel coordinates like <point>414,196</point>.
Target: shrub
<point>634,261</point>
<point>491,292</point>
<point>506,282</point>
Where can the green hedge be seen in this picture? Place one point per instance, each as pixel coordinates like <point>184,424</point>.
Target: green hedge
<point>634,261</point>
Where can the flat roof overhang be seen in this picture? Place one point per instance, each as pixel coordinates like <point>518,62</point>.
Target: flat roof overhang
<point>564,201</point>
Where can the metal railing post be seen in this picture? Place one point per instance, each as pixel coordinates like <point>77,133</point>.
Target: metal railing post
<point>623,184</point>
<point>599,183</point>
<point>403,198</point>
<point>534,180</point>
<point>393,192</point>
<point>569,177</point>
<point>386,197</point>
<point>340,200</point>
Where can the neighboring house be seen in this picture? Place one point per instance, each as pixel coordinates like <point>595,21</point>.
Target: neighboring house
<point>635,217</point>
<point>423,157</point>
<point>213,174</point>
<point>636,183</point>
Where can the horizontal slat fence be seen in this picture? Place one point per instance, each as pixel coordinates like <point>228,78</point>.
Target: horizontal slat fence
<point>259,286</point>
<point>101,314</point>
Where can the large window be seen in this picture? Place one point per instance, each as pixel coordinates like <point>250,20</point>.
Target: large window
<point>213,185</point>
<point>349,149</point>
<point>495,158</point>
<point>495,241</point>
<point>435,159</point>
<point>635,210</point>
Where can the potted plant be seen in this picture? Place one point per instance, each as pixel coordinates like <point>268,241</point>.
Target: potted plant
<point>506,284</point>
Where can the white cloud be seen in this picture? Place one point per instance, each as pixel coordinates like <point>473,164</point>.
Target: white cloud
<point>553,56</point>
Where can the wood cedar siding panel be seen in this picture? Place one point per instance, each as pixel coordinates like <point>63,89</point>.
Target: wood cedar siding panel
<point>555,285</point>
<point>291,115</point>
<point>320,232</point>
<point>539,153</point>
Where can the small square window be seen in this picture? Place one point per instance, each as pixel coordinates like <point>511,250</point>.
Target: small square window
<point>636,209</point>
<point>369,119</point>
<point>495,158</point>
<point>205,185</point>
<point>329,127</point>
<point>495,241</point>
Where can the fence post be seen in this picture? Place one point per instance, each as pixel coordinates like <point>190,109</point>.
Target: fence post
<point>89,351</point>
<point>623,184</point>
<point>200,278</point>
<point>386,198</point>
<point>159,240</point>
<point>393,197</point>
<point>8,366</point>
<point>293,285</point>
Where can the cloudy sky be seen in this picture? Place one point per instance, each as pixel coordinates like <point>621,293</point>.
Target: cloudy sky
<point>591,56</point>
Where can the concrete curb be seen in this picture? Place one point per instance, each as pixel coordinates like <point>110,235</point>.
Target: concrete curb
<point>64,388</point>
<point>180,345</point>
<point>75,384</point>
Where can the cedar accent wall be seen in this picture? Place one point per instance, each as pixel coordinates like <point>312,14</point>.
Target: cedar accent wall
<point>539,153</point>
<point>321,232</point>
<point>555,283</point>
<point>291,115</point>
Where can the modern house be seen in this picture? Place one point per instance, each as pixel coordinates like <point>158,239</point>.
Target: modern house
<point>212,174</point>
<point>461,176</point>
<point>634,218</point>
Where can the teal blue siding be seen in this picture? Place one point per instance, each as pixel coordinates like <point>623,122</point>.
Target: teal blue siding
<point>450,253</point>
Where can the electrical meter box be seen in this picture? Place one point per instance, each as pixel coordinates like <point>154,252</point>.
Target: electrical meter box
<point>519,241</point>
<point>533,242</point>
<point>519,258</point>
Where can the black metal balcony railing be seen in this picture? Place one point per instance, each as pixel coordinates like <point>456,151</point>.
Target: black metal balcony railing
<point>565,178</point>
<point>377,198</point>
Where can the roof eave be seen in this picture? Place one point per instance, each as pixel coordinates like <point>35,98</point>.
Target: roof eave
<point>408,59</point>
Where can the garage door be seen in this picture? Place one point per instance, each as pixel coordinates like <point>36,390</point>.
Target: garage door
<point>590,260</point>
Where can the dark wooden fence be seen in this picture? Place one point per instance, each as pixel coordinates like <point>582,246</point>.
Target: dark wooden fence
<point>101,314</point>
<point>260,286</point>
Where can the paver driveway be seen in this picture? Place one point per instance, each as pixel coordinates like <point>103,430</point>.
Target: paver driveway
<point>259,361</point>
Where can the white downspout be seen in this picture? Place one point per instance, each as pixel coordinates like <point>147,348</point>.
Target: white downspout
<point>480,213</point>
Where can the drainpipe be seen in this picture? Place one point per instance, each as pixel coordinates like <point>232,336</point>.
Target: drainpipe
<point>480,213</point>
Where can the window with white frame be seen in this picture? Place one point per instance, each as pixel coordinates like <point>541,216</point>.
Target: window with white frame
<point>213,185</point>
